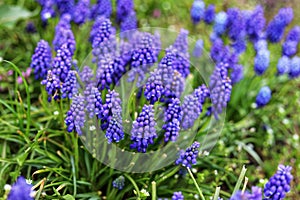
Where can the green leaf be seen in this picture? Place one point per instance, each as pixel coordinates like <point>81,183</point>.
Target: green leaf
<point>68,197</point>
<point>9,15</point>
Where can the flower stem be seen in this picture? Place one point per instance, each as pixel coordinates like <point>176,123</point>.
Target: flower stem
<point>196,184</point>
<point>239,182</point>
<point>153,190</point>
<point>217,193</point>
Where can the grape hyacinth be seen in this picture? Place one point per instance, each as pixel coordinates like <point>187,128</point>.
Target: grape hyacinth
<point>111,108</point>
<point>64,36</point>
<point>235,24</point>
<point>41,59</point>
<point>175,87</point>
<point>197,52</point>
<point>103,40</point>
<point>217,50</point>
<point>93,101</point>
<point>220,89</point>
<point>86,75</point>
<point>172,119</point>
<point>289,48</point>
<point>181,62</point>
<point>239,195</point>
<point>294,70</point>
<point>275,29</point>
<point>239,45</point>
<point>21,190</point>
<point>52,83</point>
<point>129,23</point>
<point>260,45</point>
<point>75,118</point>
<point>62,63</point>
<point>220,23</point>
<point>70,87</point>
<point>191,110</point>
<point>143,129</point>
<point>264,96</point>
<point>154,87</point>
<point>105,74</point>
<point>181,42</point>
<point>261,61</point>
<point>209,14</point>
<point>47,10</point>
<point>114,132</point>
<point>101,8</point>
<point>201,93</point>
<point>119,183</point>
<point>124,7</point>
<point>81,11</point>
<point>255,23</point>
<point>237,73</point>
<point>65,6</point>
<point>142,58</point>
<point>294,34</point>
<point>197,11</point>
<point>283,65</point>
<point>256,193</point>
<point>188,157</point>
<point>177,196</point>
<point>279,184</point>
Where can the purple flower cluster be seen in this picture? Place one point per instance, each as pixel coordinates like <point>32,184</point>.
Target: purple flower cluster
<point>47,10</point>
<point>256,194</point>
<point>142,57</point>
<point>180,50</point>
<point>119,183</point>
<point>283,65</point>
<point>93,101</point>
<point>154,87</point>
<point>220,88</point>
<point>21,190</point>
<point>52,83</point>
<point>41,59</point>
<point>81,11</point>
<point>220,23</point>
<point>65,6</point>
<point>188,157</point>
<point>236,24</point>
<point>264,96</point>
<point>279,184</point>
<point>86,75</point>
<point>275,29</point>
<point>64,35</point>
<point>237,73</point>
<point>177,196</point>
<point>172,119</point>
<point>70,87</point>
<point>111,109</point>
<point>294,70</point>
<point>124,8</point>
<point>75,118</point>
<point>261,61</point>
<point>209,14</point>
<point>101,8</point>
<point>290,45</point>
<point>105,74</point>
<point>201,93</point>
<point>143,130</point>
<point>62,63</point>
<point>255,23</point>
<point>191,110</point>
<point>197,11</point>
<point>129,23</point>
